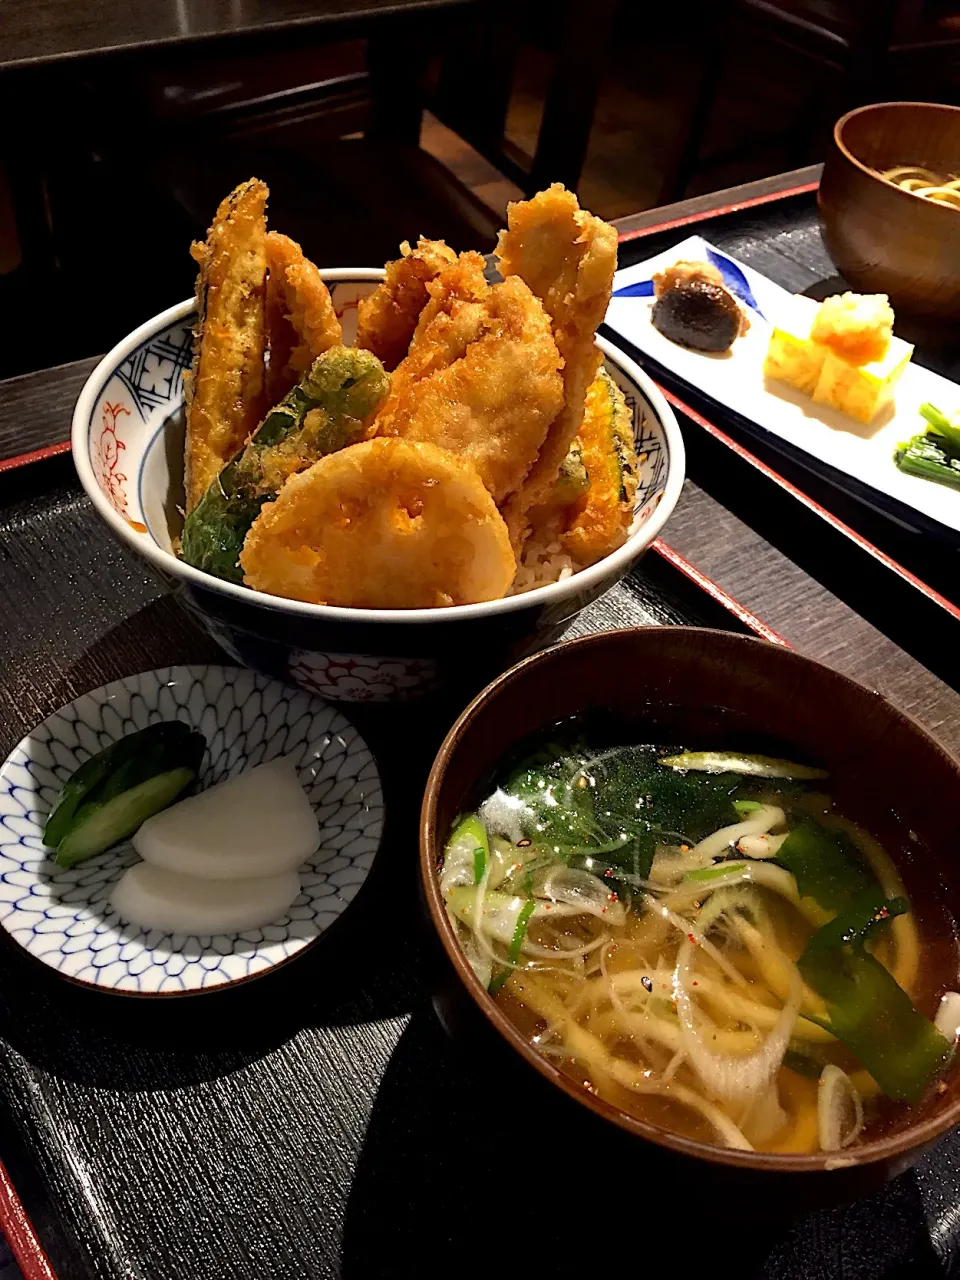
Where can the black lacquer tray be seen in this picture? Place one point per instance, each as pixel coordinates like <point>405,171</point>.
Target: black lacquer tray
<point>319,1122</point>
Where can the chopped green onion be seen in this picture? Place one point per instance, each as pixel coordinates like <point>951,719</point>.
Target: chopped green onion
<point>711,873</point>
<point>743,807</point>
<point>460,855</point>
<point>497,981</point>
<point>519,933</point>
<point>737,762</point>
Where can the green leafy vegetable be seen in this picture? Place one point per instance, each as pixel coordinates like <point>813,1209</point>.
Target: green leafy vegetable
<point>479,864</point>
<point>826,864</point>
<point>875,1018</point>
<point>613,807</point>
<point>739,762</point>
<point>927,458</point>
<point>945,427</point>
<point>743,807</point>
<point>859,919</point>
<point>803,1064</point>
<point>866,1009</point>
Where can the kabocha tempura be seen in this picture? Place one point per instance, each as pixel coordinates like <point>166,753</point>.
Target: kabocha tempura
<point>465,448</point>
<point>701,939</point>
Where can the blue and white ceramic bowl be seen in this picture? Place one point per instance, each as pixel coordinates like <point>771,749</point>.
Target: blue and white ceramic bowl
<point>63,917</point>
<point>128,450</point>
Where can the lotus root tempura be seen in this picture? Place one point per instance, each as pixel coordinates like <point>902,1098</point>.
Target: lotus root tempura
<point>704,941</point>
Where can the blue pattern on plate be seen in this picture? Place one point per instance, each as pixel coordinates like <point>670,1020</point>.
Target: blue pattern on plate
<point>733,278</point>
<point>63,918</point>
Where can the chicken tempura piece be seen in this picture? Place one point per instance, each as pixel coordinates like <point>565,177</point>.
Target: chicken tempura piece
<point>567,257</point>
<point>301,321</point>
<point>495,403</point>
<point>452,318</point>
<point>224,391</point>
<point>387,318</point>
<point>386,524</point>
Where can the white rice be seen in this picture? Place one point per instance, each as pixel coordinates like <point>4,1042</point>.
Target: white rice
<point>544,561</point>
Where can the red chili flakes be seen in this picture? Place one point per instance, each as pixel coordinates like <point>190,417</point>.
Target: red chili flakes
<point>692,938</point>
<point>684,848</point>
<point>883,913</point>
<point>611,897</point>
<point>609,871</point>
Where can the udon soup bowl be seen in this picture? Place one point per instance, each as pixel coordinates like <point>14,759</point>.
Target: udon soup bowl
<point>881,238</point>
<point>128,430</point>
<point>700,687</point>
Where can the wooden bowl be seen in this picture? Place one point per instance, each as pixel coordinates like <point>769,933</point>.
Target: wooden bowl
<point>883,239</point>
<point>684,684</point>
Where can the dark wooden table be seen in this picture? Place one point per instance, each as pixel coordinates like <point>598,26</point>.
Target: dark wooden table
<point>396,1041</point>
<point>61,61</point>
<point>56,31</point>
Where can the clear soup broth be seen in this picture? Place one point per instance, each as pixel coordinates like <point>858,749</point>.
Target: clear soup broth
<point>702,939</point>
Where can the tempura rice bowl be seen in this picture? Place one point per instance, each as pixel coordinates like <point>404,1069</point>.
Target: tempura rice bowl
<point>128,448</point>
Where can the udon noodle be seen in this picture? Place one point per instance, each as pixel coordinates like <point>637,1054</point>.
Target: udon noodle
<point>925,182</point>
<point>703,941</point>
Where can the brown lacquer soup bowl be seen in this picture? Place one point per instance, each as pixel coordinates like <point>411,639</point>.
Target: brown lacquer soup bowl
<point>700,688</point>
<point>884,239</point>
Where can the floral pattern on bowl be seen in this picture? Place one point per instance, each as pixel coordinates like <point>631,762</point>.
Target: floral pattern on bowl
<point>62,917</point>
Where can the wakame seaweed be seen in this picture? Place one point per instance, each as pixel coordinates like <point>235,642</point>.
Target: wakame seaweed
<point>615,806</point>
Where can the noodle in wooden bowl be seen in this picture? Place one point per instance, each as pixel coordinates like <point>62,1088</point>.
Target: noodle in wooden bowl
<point>674,974</point>
<point>888,200</point>
<point>943,188</point>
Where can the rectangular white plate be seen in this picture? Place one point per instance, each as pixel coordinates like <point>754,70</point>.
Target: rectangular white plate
<point>735,379</point>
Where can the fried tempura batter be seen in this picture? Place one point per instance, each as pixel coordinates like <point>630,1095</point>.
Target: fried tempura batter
<point>567,257</point>
<point>301,321</point>
<point>605,512</point>
<point>224,393</point>
<point>452,318</point>
<point>495,403</point>
<point>387,318</point>
<point>386,524</point>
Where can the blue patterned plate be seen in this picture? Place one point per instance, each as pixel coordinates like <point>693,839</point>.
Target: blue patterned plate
<point>62,917</point>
